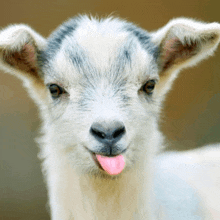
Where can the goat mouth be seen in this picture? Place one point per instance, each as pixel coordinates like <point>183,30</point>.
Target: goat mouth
<point>113,165</point>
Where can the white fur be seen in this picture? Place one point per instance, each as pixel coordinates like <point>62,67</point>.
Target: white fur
<point>197,173</point>
<point>77,188</point>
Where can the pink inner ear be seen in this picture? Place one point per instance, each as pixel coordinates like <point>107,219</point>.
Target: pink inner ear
<point>30,52</point>
<point>24,60</point>
<point>174,52</point>
<point>169,48</point>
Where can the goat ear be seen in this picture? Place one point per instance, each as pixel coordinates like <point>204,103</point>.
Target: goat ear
<point>19,49</point>
<point>183,43</point>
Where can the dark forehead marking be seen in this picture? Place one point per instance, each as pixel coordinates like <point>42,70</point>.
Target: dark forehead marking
<point>127,54</point>
<point>123,58</point>
<point>144,38</point>
<point>56,38</point>
<point>79,58</point>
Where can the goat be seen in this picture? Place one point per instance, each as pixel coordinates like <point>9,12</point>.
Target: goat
<point>99,85</point>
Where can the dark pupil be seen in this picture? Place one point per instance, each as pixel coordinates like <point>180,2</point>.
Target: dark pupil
<point>149,86</point>
<point>55,90</point>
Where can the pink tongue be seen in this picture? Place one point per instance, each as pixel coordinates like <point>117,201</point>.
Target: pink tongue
<point>112,165</point>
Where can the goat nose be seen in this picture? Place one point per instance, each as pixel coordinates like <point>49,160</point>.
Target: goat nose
<point>108,133</point>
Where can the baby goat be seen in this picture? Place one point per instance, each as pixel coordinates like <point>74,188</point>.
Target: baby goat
<point>99,85</point>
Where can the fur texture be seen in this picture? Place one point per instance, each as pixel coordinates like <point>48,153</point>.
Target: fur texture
<point>104,71</point>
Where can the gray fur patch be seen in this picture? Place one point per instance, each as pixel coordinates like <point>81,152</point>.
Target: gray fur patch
<point>144,39</point>
<point>56,38</point>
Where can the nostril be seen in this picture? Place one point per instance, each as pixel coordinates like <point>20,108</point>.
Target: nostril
<point>119,132</point>
<point>98,133</point>
<point>107,133</point>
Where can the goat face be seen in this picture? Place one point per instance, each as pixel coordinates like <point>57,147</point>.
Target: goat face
<point>101,80</point>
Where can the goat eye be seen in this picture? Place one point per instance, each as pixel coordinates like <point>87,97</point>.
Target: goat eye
<point>56,90</point>
<point>149,86</point>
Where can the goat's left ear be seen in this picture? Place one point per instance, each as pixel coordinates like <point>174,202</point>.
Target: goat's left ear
<point>182,43</point>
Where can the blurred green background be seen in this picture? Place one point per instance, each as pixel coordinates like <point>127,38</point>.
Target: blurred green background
<point>191,111</point>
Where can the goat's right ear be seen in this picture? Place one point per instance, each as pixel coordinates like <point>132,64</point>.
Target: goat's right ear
<point>183,43</point>
<point>19,49</point>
